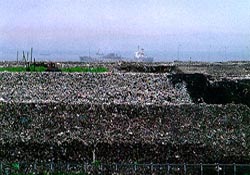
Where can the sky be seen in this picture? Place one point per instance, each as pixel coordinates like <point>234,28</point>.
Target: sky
<point>163,26</point>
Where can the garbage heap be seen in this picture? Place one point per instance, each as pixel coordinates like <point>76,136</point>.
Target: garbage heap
<point>108,87</point>
<point>119,117</point>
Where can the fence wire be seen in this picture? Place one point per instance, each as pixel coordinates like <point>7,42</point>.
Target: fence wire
<point>119,169</point>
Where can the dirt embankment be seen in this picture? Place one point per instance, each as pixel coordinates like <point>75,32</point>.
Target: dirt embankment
<point>206,89</point>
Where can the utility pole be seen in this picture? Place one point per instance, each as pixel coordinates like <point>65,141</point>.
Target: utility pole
<point>34,63</point>
<point>24,57</point>
<point>31,54</point>
<point>27,56</point>
<point>17,56</point>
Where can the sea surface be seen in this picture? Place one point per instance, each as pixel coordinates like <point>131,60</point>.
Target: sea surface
<point>159,56</point>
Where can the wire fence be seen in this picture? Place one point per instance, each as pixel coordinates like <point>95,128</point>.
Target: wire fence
<point>119,169</point>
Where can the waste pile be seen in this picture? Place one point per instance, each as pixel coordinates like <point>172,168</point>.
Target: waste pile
<point>215,90</point>
<point>147,67</point>
<point>91,88</point>
<point>221,69</point>
<point>120,117</point>
<point>124,133</point>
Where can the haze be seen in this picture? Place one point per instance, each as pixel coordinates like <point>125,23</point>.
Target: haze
<point>162,26</point>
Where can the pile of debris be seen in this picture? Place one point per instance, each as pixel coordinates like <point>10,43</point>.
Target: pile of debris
<point>124,133</point>
<point>120,88</point>
<point>169,116</point>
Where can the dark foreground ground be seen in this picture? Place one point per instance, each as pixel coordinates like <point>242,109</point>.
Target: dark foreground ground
<point>136,113</point>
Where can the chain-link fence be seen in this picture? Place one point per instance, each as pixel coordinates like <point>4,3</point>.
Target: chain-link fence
<point>119,169</point>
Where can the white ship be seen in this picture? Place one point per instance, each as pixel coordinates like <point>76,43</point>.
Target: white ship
<point>141,57</point>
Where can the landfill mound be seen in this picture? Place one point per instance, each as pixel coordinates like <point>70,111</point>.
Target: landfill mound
<point>211,90</point>
<point>147,68</point>
<point>91,88</point>
<point>225,69</point>
<point>124,133</point>
<point>175,113</point>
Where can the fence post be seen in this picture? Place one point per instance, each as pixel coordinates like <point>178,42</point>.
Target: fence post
<point>35,167</point>
<point>234,169</point>
<point>85,167</point>
<point>224,170</point>
<point>68,167</point>
<point>185,169</point>
<point>135,168</point>
<point>201,169</point>
<point>168,169</point>
<point>218,168</point>
<point>101,166</point>
<point>51,167</point>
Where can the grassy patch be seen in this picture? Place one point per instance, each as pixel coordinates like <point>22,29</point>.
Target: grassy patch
<point>33,68</point>
<point>12,69</point>
<point>23,69</point>
<point>85,69</point>
<point>43,69</point>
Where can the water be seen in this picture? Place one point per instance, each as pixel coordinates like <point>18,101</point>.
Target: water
<point>158,55</point>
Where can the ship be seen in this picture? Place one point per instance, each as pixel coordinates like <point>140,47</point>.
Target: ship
<point>101,57</point>
<point>88,59</point>
<point>141,57</point>
<point>114,57</point>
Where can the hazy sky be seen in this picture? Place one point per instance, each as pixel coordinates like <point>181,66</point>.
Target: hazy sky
<point>76,25</point>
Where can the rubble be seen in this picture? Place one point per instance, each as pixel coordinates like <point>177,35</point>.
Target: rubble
<point>125,133</point>
<point>90,88</point>
<point>125,117</point>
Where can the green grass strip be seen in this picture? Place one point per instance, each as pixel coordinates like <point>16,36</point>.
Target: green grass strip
<point>37,69</point>
<point>85,69</point>
<point>12,69</point>
<point>23,69</point>
<point>43,69</point>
